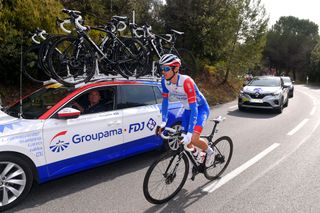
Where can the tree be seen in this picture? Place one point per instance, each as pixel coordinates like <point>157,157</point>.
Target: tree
<point>289,45</point>
<point>17,18</point>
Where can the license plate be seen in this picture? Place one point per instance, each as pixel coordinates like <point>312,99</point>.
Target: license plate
<point>256,100</point>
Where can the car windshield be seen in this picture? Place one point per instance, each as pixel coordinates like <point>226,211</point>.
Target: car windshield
<point>39,102</point>
<point>265,82</point>
<point>286,79</point>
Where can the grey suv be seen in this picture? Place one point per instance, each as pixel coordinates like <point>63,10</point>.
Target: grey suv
<point>266,92</point>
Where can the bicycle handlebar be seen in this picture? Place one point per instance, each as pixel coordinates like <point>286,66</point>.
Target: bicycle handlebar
<point>34,39</point>
<point>78,25</point>
<point>61,24</point>
<point>170,130</point>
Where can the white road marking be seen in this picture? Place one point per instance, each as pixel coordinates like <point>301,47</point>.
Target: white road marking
<point>313,110</point>
<point>232,107</point>
<point>216,184</point>
<point>300,125</point>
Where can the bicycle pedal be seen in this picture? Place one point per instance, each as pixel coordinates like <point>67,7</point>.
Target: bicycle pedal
<point>194,173</point>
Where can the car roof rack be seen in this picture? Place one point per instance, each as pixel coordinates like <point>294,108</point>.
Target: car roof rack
<point>98,77</point>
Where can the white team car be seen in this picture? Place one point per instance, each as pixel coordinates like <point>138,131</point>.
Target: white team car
<point>48,138</point>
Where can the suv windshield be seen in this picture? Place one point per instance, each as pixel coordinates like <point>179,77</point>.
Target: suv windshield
<point>265,82</point>
<point>39,102</point>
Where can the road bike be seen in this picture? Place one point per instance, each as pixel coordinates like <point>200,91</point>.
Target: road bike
<point>168,174</point>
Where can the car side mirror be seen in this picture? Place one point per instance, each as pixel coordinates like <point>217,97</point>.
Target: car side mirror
<point>68,112</point>
<point>292,81</point>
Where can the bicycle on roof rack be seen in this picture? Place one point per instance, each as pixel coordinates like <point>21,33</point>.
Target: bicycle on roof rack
<point>167,175</point>
<point>160,44</point>
<point>80,54</point>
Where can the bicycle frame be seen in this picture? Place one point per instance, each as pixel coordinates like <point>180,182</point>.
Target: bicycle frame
<point>101,54</point>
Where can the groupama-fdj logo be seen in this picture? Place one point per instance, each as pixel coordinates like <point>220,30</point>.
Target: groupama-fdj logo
<point>59,145</point>
<point>135,127</point>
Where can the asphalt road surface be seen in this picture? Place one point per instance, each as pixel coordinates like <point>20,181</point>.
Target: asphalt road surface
<point>275,168</point>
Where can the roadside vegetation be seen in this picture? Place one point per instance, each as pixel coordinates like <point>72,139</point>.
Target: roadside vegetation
<point>229,38</point>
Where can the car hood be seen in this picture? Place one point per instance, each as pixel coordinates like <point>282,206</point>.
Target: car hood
<point>10,125</point>
<point>261,90</point>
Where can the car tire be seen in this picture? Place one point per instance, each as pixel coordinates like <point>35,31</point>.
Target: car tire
<point>280,108</point>
<point>287,103</point>
<point>241,108</point>
<point>291,94</point>
<point>15,177</point>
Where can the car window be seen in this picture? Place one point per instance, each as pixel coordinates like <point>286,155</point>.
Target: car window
<point>267,82</point>
<point>95,100</point>
<point>158,94</point>
<point>136,95</point>
<point>39,102</point>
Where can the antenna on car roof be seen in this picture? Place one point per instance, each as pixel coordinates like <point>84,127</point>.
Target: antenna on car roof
<point>21,64</point>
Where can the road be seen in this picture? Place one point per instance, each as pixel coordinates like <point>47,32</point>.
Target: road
<point>275,168</point>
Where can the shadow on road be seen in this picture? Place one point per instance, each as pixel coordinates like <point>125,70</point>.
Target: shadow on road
<point>43,193</point>
<point>181,201</point>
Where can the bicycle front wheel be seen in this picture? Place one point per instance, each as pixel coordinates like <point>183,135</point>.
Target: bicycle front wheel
<point>223,148</point>
<point>72,61</point>
<point>165,177</point>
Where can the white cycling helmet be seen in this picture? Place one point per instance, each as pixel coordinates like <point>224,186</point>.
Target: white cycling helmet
<point>170,60</point>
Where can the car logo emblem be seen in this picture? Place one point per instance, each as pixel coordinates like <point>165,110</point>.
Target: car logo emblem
<point>257,94</point>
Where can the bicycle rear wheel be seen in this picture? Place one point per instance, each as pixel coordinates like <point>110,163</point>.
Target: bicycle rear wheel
<point>223,147</point>
<point>71,61</point>
<point>44,52</point>
<point>165,177</point>
<point>131,58</point>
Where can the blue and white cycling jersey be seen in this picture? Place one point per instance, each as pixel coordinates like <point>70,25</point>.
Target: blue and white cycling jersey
<point>196,107</point>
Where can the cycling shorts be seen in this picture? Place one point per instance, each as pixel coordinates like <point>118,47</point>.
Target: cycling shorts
<point>203,114</point>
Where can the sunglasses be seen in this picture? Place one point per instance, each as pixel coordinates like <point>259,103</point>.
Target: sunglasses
<point>166,68</point>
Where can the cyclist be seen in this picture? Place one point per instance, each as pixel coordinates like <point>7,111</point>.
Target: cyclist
<point>196,112</point>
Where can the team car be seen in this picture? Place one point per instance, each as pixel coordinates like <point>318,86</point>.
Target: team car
<point>46,137</point>
<point>266,92</point>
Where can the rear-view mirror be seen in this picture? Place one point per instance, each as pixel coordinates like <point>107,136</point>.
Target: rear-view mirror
<point>68,112</point>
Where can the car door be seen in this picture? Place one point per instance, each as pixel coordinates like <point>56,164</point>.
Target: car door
<point>79,143</point>
<point>141,115</point>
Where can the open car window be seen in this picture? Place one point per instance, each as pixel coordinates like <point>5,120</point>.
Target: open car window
<point>34,105</point>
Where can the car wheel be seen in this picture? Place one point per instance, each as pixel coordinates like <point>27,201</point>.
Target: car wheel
<point>172,144</point>
<point>280,109</point>
<point>286,104</point>
<point>241,108</point>
<point>15,180</point>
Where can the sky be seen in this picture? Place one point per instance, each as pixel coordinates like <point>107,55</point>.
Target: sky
<point>302,9</point>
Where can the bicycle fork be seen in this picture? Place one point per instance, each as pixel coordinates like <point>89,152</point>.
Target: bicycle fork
<point>171,176</point>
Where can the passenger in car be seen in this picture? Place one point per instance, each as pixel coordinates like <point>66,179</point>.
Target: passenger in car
<point>94,106</point>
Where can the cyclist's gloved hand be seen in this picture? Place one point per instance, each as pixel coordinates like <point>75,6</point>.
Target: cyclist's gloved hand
<point>160,128</point>
<point>186,138</point>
